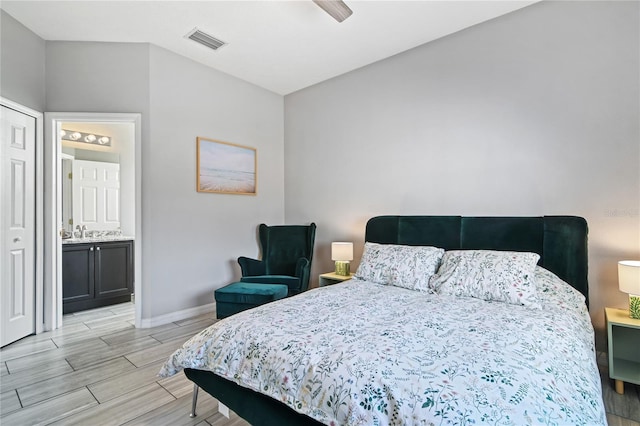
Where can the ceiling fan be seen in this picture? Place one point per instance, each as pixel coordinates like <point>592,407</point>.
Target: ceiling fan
<point>336,8</point>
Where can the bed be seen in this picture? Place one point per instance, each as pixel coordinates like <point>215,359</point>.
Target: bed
<point>364,352</point>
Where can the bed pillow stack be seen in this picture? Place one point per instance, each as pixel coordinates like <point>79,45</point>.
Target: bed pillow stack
<point>503,276</point>
<point>409,267</point>
<point>500,276</point>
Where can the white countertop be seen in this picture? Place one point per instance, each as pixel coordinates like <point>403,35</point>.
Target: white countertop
<point>101,239</point>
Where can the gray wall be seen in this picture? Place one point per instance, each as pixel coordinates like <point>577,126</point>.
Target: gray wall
<point>192,239</point>
<point>22,64</point>
<point>189,240</point>
<point>533,113</point>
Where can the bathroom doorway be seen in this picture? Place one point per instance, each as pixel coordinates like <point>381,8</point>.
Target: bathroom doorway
<point>96,140</point>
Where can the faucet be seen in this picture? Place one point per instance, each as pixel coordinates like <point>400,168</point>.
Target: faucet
<point>82,231</point>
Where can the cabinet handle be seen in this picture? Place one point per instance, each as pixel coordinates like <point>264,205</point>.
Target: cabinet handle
<point>90,248</point>
<point>17,239</point>
<point>98,248</point>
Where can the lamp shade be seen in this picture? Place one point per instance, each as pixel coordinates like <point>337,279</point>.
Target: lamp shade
<point>342,251</point>
<point>629,276</point>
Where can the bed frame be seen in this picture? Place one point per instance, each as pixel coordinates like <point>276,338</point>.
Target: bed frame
<point>561,242</point>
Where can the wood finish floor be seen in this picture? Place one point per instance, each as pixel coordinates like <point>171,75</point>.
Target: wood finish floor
<point>100,370</point>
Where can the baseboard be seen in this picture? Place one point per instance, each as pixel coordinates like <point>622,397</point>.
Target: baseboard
<point>177,315</point>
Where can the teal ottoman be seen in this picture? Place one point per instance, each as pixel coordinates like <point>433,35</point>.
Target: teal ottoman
<point>240,296</point>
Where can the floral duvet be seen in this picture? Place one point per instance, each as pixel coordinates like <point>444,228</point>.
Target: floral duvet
<point>359,353</point>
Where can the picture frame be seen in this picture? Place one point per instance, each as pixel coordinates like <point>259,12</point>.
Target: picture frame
<point>226,168</point>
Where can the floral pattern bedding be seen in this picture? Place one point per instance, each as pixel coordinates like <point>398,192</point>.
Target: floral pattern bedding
<point>360,353</point>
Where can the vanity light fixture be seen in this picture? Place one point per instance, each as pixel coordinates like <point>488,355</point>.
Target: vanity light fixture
<point>89,138</point>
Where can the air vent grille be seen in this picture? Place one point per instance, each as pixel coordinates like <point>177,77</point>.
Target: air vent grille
<point>205,39</point>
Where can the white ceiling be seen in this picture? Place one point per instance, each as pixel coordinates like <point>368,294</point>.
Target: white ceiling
<point>282,46</point>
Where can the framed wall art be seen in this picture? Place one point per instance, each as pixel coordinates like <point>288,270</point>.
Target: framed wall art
<point>226,168</point>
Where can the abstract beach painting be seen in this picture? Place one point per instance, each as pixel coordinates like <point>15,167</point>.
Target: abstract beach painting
<point>225,167</point>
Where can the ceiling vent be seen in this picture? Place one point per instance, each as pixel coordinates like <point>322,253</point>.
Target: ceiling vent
<point>205,39</point>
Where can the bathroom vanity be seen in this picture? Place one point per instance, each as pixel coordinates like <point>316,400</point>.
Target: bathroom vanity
<point>96,272</point>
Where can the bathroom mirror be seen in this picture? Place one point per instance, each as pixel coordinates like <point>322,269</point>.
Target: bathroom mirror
<point>90,189</point>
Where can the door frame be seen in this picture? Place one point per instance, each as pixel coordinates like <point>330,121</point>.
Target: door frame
<point>53,208</point>
<point>40,321</point>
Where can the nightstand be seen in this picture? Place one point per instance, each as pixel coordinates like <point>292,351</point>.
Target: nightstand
<point>623,337</point>
<point>332,278</point>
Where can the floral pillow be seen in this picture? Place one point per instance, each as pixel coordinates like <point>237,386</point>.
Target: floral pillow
<point>554,292</point>
<point>401,266</point>
<point>504,276</point>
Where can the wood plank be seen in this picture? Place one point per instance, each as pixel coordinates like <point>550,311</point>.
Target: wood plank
<point>25,347</point>
<point>123,383</point>
<point>43,359</point>
<point>70,329</point>
<point>206,316</point>
<point>134,333</point>
<point>55,386</point>
<point>156,353</point>
<point>74,338</point>
<point>39,373</point>
<point>176,413</point>
<point>51,409</point>
<point>86,315</point>
<point>627,405</point>
<point>9,402</point>
<point>108,328</point>
<point>178,385</point>
<point>106,322</point>
<point>614,420</point>
<point>185,332</point>
<point>122,409</point>
<point>86,359</point>
<point>233,420</point>
<point>122,308</point>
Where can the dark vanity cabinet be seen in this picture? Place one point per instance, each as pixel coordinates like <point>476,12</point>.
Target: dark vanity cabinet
<point>96,274</point>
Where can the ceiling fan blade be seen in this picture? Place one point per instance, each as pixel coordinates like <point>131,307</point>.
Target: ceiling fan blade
<point>336,8</point>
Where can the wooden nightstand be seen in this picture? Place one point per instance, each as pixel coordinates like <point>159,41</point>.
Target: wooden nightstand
<point>332,278</point>
<point>623,337</point>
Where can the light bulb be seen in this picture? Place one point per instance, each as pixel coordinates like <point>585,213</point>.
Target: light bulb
<point>103,140</point>
<point>89,138</point>
<point>75,136</point>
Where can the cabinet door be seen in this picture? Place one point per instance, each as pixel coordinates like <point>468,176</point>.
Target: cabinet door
<point>114,269</point>
<point>77,272</point>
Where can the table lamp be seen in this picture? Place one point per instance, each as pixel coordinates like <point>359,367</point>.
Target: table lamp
<point>342,253</point>
<point>629,282</point>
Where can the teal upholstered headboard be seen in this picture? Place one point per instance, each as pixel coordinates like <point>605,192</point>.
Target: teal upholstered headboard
<point>561,241</point>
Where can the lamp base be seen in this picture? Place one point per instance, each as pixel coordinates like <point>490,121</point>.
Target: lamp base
<point>634,306</point>
<point>342,268</point>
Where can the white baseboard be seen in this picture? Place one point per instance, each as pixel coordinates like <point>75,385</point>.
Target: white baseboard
<point>177,316</point>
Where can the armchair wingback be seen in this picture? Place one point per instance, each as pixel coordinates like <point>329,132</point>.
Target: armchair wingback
<point>287,251</point>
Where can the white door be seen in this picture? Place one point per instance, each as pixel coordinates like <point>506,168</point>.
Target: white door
<point>17,263</point>
<point>96,195</point>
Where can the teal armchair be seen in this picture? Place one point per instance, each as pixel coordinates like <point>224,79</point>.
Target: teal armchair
<point>287,252</point>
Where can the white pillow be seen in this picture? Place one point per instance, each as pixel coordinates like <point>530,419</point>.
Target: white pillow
<point>554,292</point>
<point>401,266</point>
<point>504,276</point>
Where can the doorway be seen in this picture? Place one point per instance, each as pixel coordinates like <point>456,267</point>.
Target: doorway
<point>59,221</point>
